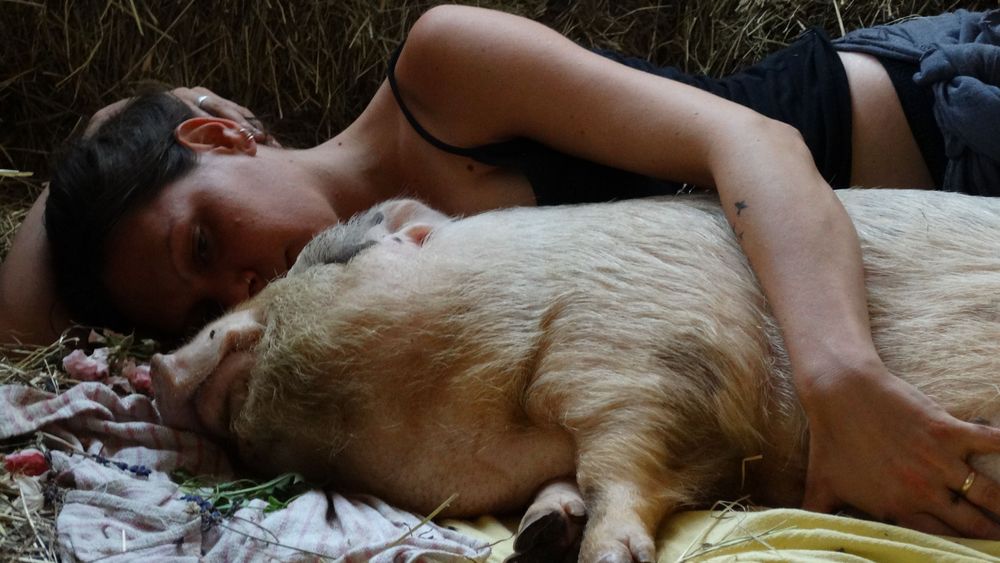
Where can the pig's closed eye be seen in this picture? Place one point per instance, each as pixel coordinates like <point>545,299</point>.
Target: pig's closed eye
<point>347,252</point>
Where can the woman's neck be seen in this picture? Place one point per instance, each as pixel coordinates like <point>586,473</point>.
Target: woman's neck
<point>359,167</point>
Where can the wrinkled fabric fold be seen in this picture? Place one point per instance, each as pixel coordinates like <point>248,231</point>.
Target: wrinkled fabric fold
<point>112,514</point>
<point>959,59</point>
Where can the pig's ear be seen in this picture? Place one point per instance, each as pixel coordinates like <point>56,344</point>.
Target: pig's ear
<point>416,233</point>
<point>241,331</point>
<point>400,213</point>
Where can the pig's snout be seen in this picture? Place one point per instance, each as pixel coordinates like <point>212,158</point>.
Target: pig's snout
<point>193,386</point>
<point>173,398</point>
<point>160,370</point>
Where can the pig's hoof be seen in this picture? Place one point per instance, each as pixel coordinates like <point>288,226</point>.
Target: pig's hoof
<point>630,548</point>
<point>548,536</point>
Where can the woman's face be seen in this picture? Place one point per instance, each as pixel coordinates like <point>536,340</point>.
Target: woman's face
<point>208,241</point>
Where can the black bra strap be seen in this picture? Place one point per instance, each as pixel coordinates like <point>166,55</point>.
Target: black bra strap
<point>391,75</point>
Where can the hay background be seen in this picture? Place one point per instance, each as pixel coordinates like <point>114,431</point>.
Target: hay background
<point>307,67</point>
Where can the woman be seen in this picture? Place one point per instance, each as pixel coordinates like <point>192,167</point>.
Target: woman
<point>479,110</point>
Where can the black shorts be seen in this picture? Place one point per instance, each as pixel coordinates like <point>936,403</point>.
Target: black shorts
<point>803,85</point>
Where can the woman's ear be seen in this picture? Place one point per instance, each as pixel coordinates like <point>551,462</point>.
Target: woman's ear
<point>203,134</point>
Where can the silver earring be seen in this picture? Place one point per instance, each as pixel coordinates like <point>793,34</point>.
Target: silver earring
<point>248,134</point>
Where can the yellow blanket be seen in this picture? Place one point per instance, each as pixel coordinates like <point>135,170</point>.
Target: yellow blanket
<point>775,535</point>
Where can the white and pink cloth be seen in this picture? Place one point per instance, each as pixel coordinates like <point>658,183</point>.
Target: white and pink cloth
<point>113,514</point>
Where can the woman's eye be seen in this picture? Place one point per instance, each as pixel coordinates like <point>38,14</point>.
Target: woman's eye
<point>200,247</point>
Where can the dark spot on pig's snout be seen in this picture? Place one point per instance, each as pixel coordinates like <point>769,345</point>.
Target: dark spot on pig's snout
<point>211,334</point>
<point>377,218</point>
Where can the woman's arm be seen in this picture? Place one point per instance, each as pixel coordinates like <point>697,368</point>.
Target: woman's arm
<point>876,443</point>
<point>29,310</point>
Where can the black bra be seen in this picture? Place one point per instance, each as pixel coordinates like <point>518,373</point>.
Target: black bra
<point>505,153</point>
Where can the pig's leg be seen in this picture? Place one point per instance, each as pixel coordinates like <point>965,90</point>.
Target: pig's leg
<point>627,487</point>
<point>552,526</point>
<point>625,504</point>
<point>620,422</point>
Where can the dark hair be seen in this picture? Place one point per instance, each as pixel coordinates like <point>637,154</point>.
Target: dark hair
<point>96,181</point>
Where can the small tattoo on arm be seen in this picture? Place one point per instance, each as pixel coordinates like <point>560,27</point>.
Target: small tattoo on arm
<point>740,206</point>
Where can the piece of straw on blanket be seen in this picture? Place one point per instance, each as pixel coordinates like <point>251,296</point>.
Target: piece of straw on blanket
<point>117,514</point>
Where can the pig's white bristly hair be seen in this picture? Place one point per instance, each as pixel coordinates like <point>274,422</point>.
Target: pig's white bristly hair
<point>636,328</point>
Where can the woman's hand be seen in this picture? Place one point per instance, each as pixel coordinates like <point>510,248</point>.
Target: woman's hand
<point>881,446</point>
<point>204,103</point>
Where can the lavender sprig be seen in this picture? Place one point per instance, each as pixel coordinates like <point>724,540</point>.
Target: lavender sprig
<point>138,470</point>
<point>209,515</point>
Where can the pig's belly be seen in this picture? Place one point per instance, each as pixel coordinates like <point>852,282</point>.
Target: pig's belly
<point>488,473</point>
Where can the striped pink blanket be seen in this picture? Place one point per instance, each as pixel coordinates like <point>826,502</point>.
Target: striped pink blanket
<point>116,512</point>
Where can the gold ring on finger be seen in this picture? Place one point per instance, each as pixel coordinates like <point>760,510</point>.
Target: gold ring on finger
<point>968,483</point>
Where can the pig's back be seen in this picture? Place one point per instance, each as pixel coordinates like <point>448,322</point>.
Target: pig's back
<point>472,343</point>
<point>932,268</point>
<point>663,282</point>
<point>645,306</point>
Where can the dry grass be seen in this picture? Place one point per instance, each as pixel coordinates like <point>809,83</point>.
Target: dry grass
<point>37,366</point>
<point>27,532</point>
<point>27,529</point>
<point>307,67</point>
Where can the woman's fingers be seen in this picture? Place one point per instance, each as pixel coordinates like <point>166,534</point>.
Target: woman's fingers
<point>985,439</point>
<point>928,524</point>
<point>966,519</point>
<point>944,495</point>
<point>102,115</point>
<point>979,488</point>
<point>882,447</point>
<point>206,103</point>
<point>984,493</point>
<point>953,499</point>
<point>203,103</point>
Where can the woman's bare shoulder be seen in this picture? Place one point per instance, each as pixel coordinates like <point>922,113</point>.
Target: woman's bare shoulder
<point>29,310</point>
